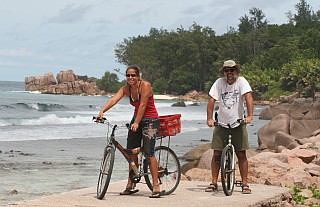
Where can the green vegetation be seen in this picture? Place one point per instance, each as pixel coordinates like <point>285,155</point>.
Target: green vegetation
<point>109,82</point>
<point>300,199</point>
<point>276,59</point>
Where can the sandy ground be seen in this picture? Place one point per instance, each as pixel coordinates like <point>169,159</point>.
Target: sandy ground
<point>188,193</point>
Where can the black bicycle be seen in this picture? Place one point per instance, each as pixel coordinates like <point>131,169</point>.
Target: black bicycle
<point>227,163</point>
<point>169,169</point>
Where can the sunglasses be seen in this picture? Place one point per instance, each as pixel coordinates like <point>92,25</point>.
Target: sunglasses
<point>229,70</point>
<point>131,75</point>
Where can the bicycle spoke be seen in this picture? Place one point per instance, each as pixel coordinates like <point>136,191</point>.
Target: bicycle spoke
<point>227,171</point>
<point>169,171</point>
<point>105,172</point>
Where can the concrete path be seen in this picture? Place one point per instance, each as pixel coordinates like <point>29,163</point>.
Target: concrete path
<point>188,194</point>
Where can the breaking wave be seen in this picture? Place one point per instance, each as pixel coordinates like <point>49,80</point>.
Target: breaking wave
<point>49,119</point>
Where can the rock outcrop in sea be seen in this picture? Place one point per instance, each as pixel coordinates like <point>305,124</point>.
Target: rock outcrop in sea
<point>67,83</point>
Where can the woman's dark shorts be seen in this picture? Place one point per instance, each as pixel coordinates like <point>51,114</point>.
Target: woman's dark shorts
<point>147,131</point>
<point>239,138</point>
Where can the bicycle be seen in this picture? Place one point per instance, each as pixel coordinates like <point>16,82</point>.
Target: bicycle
<point>227,163</point>
<point>169,169</point>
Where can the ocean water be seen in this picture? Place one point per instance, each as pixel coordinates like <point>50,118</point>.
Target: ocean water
<point>49,144</point>
<point>34,116</point>
<point>27,115</point>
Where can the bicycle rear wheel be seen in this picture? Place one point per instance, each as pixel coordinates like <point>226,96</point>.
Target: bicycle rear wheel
<point>105,171</point>
<point>169,170</point>
<point>227,170</point>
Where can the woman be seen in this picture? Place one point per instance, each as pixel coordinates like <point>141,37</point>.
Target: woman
<point>143,126</point>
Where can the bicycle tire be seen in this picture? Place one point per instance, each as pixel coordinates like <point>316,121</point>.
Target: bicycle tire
<point>106,168</point>
<point>169,170</point>
<point>227,171</point>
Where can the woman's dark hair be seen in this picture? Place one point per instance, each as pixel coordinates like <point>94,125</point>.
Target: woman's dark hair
<point>134,67</point>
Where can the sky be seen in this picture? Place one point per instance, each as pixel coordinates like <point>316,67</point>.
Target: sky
<point>42,36</point>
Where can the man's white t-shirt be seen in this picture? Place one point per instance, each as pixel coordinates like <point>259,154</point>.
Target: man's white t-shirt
<point>230,99</point>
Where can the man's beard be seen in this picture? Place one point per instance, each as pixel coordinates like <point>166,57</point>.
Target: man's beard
<point>231,77</point>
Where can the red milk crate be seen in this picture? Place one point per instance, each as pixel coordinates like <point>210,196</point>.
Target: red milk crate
<point>170,125</point>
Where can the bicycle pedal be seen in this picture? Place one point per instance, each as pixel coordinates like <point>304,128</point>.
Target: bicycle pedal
<point>238,183</point>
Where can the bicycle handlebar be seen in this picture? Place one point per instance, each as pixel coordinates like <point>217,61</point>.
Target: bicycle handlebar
<point>240,121</point>
<point>104,120</point>
<point>216,123</point>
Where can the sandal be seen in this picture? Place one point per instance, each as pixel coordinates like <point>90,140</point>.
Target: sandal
<point>155,195</point>
<point>156,192</point>
<point>246,189</point>
<point>129,190</point>
<point>212,188</point>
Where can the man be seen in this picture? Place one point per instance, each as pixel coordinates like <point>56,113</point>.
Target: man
<point>230,91</point>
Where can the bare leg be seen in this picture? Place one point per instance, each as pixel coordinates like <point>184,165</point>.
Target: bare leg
<point>130,185</point>
<point>154,174</point>
<point>135,159</point>
<point>215,165</point>
<point>154,170</point>
<point>243,166</point>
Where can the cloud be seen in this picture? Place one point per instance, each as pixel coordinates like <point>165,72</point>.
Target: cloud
<point>142,16</point>
<point>83,34</point>
<point>9,63</point>
<point>195,10</point>
<point>70,14</point>
<point>21,52</point>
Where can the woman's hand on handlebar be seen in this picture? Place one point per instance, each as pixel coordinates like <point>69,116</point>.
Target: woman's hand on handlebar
<point>100,115</point>
<point>134,127</point>
<point>99,120</point>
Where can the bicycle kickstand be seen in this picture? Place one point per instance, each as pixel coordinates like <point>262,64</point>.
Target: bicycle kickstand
<point>238,183</point>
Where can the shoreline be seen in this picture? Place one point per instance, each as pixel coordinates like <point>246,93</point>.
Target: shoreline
<point>165,97</point>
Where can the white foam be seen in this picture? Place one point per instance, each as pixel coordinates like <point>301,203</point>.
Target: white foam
<point>54,119</point>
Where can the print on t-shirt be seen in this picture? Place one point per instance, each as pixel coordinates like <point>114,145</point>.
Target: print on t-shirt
<point>230,98</point>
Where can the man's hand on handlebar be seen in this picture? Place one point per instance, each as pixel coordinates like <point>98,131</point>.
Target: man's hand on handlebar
<point>210,122</point>
<point>247,120</point>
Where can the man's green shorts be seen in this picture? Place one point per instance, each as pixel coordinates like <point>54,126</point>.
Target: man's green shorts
<point>239,138</point>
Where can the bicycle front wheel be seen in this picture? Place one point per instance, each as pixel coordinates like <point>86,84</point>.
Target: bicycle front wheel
<point>105,171</point>
<point>169,170</point>
<point>227,170</point>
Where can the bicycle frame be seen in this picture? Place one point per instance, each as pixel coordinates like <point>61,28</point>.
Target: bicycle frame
<point>138,170</point>
<point>230,145</point>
